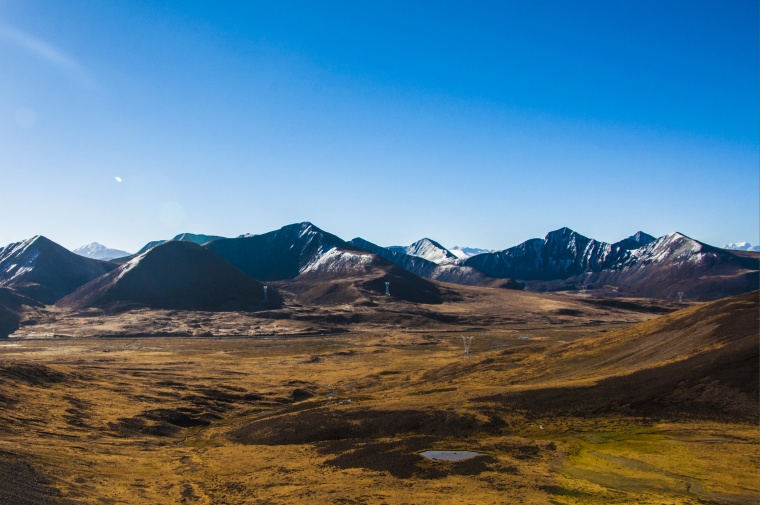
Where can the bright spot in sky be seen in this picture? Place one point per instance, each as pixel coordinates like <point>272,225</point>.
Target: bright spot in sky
<point>25,118</point>
<point>118,179</point>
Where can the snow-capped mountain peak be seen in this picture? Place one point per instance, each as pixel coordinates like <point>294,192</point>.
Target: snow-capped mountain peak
<point>675,247</point>
<point>99,252</point>
<point>428,249</point>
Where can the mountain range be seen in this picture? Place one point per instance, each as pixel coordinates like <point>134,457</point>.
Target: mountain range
<point>301,263</point>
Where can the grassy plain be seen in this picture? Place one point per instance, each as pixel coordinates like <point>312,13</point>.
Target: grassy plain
<point>341,418</point>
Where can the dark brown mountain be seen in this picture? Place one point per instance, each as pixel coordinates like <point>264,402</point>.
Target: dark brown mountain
<point>45,271</point>
<point>280,254</point>
<point>676,264</point>
<point>660,268</point>
<point>561,254</point>
<point>175,275</point>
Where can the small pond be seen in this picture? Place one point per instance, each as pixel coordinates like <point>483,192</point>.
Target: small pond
<point>450,455</point>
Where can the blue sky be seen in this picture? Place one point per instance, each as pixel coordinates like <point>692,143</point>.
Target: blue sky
<point>474,123</point>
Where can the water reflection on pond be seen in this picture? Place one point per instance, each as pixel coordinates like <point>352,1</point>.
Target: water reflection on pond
<point>449,455</point>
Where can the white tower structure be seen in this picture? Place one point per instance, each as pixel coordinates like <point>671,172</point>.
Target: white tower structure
<point>467,343</point>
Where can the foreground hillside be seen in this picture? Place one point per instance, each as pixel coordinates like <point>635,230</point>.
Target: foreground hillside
<point>662,411</point>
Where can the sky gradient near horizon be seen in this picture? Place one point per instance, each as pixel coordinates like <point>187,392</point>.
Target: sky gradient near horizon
<point>477,124</point>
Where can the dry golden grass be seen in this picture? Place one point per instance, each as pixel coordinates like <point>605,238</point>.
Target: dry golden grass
<point>341,418</point>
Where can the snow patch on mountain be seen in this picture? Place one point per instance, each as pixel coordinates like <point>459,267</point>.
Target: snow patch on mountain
<point>674,248</point>
<point>336,260</point>
<point>25,251</point>
<point>129,265</point>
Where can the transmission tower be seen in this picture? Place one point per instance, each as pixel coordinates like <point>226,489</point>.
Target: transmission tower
<point>387,289</point>
<point>467,343</point>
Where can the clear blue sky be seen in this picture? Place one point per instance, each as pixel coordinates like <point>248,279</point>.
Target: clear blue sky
<point>474,123</point>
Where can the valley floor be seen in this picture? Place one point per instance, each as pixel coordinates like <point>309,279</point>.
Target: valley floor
<point>342,418</point>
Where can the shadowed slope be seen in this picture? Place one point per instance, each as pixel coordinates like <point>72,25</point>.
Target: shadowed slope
<point>12,304</point>
<point>697,362</point>
<point>175,275</point>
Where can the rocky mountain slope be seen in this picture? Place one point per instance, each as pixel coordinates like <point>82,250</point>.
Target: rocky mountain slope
<point>284,253</point>
<point>561,254</point>
<point>175,275</point>
<point>45,271</point>
<point>638,265</point>
<point>452,272</point>
<point>676,263</point>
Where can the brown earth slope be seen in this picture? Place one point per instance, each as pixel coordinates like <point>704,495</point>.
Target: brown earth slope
<point>699,362</point>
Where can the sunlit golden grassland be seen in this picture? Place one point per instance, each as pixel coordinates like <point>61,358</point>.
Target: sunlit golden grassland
<point>341,419</point>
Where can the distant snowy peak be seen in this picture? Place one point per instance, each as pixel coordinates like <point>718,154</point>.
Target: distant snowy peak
<point>428,249</point>
<point>742,246</point>
<point>99,252</point>
<point>466,252</point>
